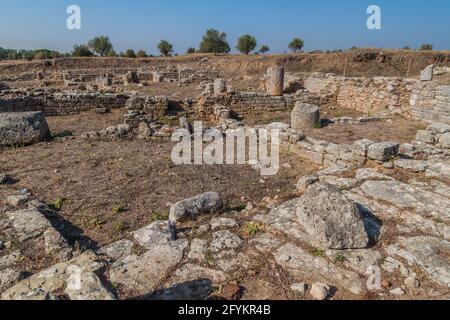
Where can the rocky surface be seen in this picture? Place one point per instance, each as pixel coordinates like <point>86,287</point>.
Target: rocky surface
<point>22,128</point>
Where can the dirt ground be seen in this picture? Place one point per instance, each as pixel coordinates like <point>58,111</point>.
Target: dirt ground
<point>111,187</point>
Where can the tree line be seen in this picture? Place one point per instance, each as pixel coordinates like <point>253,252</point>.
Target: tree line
<point>214,41</point>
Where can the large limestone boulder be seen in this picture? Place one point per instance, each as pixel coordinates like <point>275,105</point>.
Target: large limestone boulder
<point>17,128</point>
<point>333,219</point>
<point>305,116</point>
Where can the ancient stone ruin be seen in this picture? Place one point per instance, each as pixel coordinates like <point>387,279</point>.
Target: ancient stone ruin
<point>360,205</point>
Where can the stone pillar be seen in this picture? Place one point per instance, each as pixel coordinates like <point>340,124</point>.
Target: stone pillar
<point>275,81</point>
<point>305,116</point>
<point>220,86</point>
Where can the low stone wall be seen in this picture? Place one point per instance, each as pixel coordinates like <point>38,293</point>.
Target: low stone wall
<point>424,100</point>
<point>62,103</point>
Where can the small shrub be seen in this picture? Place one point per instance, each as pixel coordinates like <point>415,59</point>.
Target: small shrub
<point>57,204</point>
<point>157,216</point>
<point>118,209</point>
<point>317,253</point>
<point>120,226</point>
<point>252,228</point>
<point>426,47</point>
<point>340,258</point>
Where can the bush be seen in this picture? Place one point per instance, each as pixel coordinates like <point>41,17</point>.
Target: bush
<point>165,47</point>
<point>296,45</point>
<point>214,41</point>
<point>81,51</point>
<point>100,45</point>
<point>130,54</point>
<point>264,49</point>
<point>190,51</point>
<point>141,54</point>
<point>111,53</point>
<point>246,44</point>
<point>40,56</point>
<point>426,47</point>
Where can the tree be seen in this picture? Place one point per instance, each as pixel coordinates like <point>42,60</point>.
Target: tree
<point>130,54</point>
<point>214,41</point>
<point>81,51</point>
<point>264,49</point>
<point>165,47</point>
<point>246,44</point>
<point>296,45</point>
<point>100,45</point>
<point>142,54</point>
<point>190,50</point>
<point>426,47</point>
<point>111,53</point>
<point>406,48</point>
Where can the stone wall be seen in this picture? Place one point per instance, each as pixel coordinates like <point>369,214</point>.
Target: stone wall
<point>61,103</point>
<point>424,100</point>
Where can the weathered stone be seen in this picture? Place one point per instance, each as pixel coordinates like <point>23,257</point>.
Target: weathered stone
<point>361,147</point>
<point>189,209</point>
<point>440,128</point>
<point>444,140</point>
<point>278,126</point>
<point>19,128</point>
<point>320,291</point>
<point>225,240</point>
<point>144,273</point>
<point>427,73</point>
<point>412,165</point>
<point>332,218</point>
<point>223,223</point>
<point>28,223</point>
<point>299,288</point>
<point>302,265</point>
<point>220,86</point>
<point>426,136</point>
<point>397,292</point>
<point>370,174</point>
<point>439,170</point>
<point>266,242</point>
<point>199,250</point>
<point>85,286</point>
<point>428,253</point>
<point>305,182</point>
<point>406,197</point>
<point>305,116</point>
<point>275,81</point>
<point>8,277</point>
<point>383,151</point>
<point>55,244</point>
<point>159,232</point>
<point>52,280</point>
<point>117,250</point>
<point>16,200</point>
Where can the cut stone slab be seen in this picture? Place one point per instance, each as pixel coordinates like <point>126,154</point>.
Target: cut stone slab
<point>278,126</point>
<point>361,147</point>
<point>370,174</point>
<point>21,128</point>
<point>383,151</point>
<point>426,136</point>
<point>328,215</point>
<point>439,170</point>
<point>117,250</point>
<point>189,209</point>
<point>415,166</point>
<point>52,280</point>
<point>305,116</point>
<point>28,223</point>
<point>143,274</point>
<point>428,253</point>
<point>410,197</point>
<point>159,232</point>
<point>439,128</point>
<point>86,286</point>
<point>223,223</point>
<point>225,240</point>
<point>427,73</point>
<point>301,265</point>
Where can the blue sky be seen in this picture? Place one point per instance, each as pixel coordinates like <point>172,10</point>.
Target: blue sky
<point>140,24</point>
